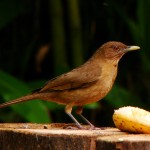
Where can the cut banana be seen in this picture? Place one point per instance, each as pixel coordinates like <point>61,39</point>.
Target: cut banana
<point>132,119</point>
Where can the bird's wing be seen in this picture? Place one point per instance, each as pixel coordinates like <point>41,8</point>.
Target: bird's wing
<point>77,78</point>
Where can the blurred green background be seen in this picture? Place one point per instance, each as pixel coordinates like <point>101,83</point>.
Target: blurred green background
<point>42,39</point>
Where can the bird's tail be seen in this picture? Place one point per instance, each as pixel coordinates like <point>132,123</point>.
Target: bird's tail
<point>19,100</point>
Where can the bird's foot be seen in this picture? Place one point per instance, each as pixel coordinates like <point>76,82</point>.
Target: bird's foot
<point>95,128</point>
<point>71,128</point>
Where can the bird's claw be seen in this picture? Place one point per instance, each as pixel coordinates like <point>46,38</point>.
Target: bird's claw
<point>71,128</point>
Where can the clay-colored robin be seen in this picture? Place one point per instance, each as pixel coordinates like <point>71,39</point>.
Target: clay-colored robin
<point>85,84</point>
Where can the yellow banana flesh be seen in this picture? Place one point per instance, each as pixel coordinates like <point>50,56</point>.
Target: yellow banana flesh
<point>132,119</point>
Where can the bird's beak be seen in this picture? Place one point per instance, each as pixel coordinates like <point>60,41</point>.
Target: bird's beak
<point>132,48</point>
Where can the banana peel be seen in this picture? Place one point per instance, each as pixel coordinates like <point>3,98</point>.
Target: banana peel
<point>132,119</point>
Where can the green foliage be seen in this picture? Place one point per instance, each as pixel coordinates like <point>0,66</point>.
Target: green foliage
<point>139,27</point>
<point>140,30</point>
<point>119,97</point>
<point>58,36</point>
<point>11,88</point>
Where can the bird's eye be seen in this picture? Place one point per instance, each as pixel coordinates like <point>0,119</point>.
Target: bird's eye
<point>115,47</point>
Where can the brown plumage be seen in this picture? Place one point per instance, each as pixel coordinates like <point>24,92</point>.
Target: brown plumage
<point>86,84</point>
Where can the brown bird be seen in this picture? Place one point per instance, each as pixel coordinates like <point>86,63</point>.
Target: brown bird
<point>85,84</point>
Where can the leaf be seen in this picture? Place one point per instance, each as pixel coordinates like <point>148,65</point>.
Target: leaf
<point>36,84</point>
<point>92,106</point>
<point>33,111</point>
<point>119,97</point>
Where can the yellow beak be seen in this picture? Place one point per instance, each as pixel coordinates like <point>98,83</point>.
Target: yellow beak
<point>132,48</point>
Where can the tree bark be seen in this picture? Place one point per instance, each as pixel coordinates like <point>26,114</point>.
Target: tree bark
<point>27,136</point>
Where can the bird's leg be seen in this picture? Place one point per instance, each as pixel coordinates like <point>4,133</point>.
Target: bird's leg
<point>79,111</point>
<point>68,110</point>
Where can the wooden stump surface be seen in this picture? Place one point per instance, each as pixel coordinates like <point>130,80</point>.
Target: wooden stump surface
<point>27,136</point>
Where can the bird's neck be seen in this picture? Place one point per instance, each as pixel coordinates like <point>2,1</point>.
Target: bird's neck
<point>107,67</point>
<point>100,60</point>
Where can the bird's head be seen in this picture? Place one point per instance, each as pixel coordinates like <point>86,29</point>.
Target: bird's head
<point>115,50</point>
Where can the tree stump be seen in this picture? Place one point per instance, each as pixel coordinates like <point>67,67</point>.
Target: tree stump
<point>27,136</point>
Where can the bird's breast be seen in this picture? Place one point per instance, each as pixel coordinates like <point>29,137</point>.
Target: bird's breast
<point>98,90</point>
